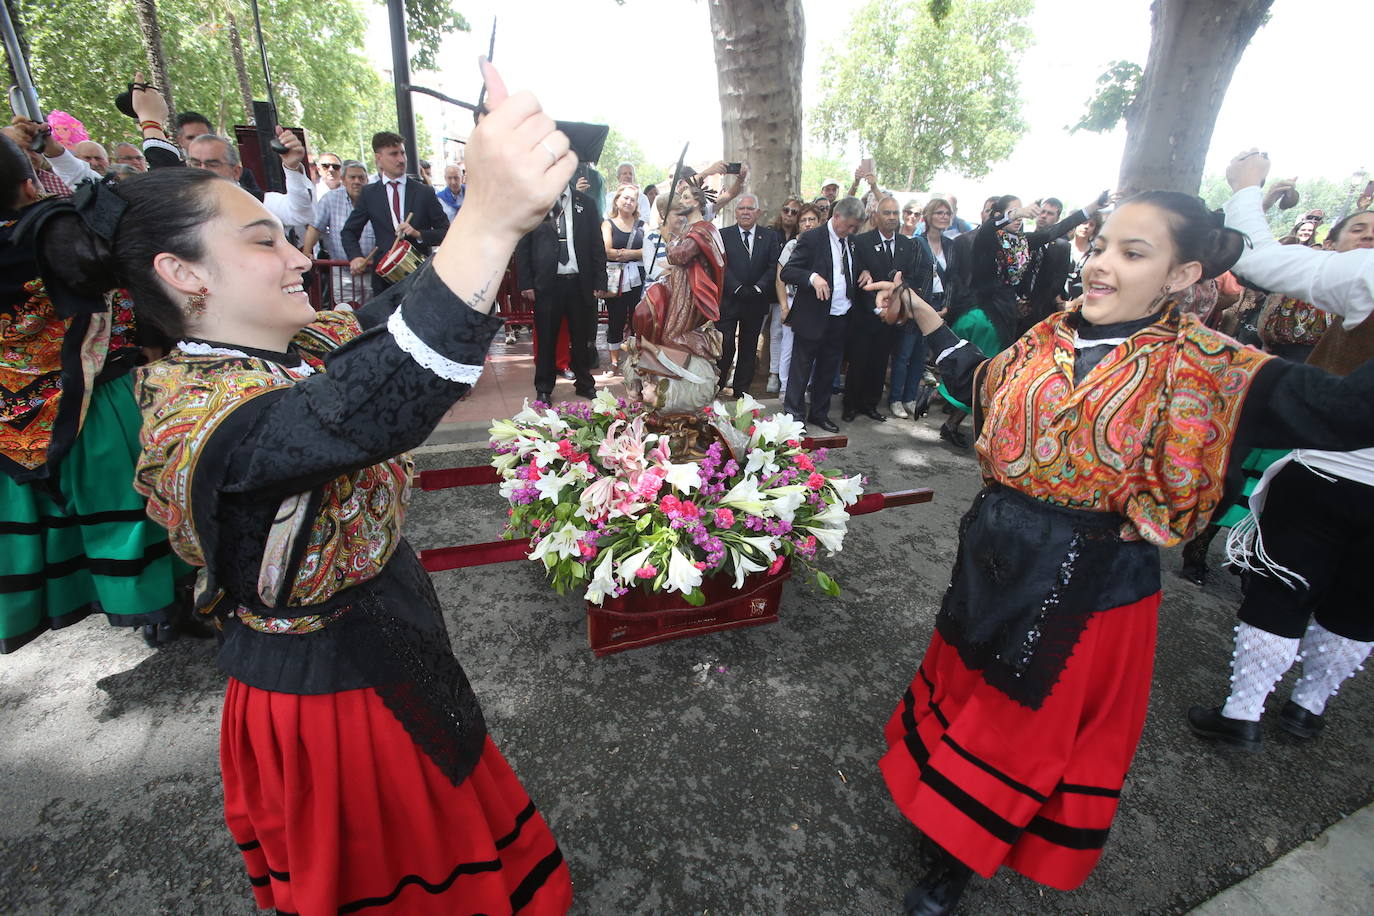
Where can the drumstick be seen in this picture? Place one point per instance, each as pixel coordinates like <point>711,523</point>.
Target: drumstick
<point>370,255</point>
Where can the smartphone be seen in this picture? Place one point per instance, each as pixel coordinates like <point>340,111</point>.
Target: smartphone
<point>1368,190</point>
<point>733,168</point>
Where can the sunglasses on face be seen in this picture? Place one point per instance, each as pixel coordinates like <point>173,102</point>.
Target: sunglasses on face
<point>790,211</point>
<point>332,166</point>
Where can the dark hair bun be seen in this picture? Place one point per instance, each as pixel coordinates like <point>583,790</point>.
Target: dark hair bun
<point>1221,249</point>
<point>71,253</point>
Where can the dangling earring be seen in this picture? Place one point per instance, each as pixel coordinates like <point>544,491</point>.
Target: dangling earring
<point>195,304</point>
<point>1161,299</point>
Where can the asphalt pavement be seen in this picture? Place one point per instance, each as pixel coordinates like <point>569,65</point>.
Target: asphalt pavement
<point>734,773</point>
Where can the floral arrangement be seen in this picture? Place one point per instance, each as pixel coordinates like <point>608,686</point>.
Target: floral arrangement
<point>606,508</point>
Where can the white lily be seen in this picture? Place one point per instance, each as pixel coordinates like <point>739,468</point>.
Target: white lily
<point>763,544</point>
<point>506,463</point>
<point>603,580</point>
<point>834,516</point>
<point>560,543</point>
<point>528,414</point>
<point>785,506</point>
<point>744,566</point>
<point>504,431</point>
<point>605,403</point>
<point>550,485</point>
<point>778,428</point>
<point>746,404</point>
<point>762,461</point>
<point>544,452</point>
<point>848,489</point>
<point>683,575</point>
<point>632,564</point>
<point>686,477</point>
<point>509,486</point>
<point>832,539</point>
<point>746,497</point>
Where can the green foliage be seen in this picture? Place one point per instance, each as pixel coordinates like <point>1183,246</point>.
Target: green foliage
<point>817,167</point>
<point>620,148</point>
<point>427,21</point>
<point>1116,90</point>
<point>826,584</point>
<point>1313,193</point>
<point>927,96</point>
<point>84,52</point>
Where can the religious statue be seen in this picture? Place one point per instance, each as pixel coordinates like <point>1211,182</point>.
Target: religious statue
<point>671,362</point>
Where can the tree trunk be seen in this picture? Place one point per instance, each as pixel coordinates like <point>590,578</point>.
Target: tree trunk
<point>146,10</point>
<point>1194,48</point>
<point>759,50</point>
<point>241,69</point>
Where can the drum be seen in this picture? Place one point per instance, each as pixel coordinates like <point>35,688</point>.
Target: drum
<point>398,263</point>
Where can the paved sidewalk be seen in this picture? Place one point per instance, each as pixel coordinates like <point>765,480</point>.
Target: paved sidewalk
<point>1332,875</point>
<point>507,380</point>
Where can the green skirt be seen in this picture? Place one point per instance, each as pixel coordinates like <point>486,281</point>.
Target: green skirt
<point>90,547</point>
<point>975,327</point>
<point>1254,466</point>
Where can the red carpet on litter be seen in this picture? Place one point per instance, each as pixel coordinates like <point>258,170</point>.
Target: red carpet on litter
<point>996,783</point>
<point>338,811</point>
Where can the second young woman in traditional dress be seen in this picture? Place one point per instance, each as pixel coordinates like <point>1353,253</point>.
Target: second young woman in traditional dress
<point>1105,433</point>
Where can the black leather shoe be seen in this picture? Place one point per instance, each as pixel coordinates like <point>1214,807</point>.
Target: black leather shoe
<point>939,891</point>
<point>953,437</point>
<point>1195,573</point>
<point>1299,722</point>
<point>826,425</point>
<point>872,414</point>
<point>588,393</point>
<point>1208,722</point>
<point>545,396</point>
<point>848,416</point>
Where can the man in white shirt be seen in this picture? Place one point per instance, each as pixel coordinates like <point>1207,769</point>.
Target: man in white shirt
<point>822,269</point>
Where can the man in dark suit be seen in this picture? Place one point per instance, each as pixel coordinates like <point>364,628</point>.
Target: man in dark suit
<point>1049,267</point>
<point>877,254</point>
<point>561,266</point>
<point>751,257</point>
<point>396,205</point>
<point>822,269</point>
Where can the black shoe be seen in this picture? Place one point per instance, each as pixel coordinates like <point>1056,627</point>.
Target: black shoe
<point>544,396</point>
<point>1195,573</point>
<point>1208,722</point>
<point>939,891</point>
<point>157,635</point>
<point>1299,722</point>
<point>826,425</point>
<point>872,414</point>
<point>848,416</point>
<point>953,437</point>
<point>588,393</point>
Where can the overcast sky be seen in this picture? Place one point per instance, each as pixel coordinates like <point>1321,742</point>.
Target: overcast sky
<point>1301,91</point>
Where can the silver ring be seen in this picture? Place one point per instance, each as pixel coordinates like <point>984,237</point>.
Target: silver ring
<point>549,151</point>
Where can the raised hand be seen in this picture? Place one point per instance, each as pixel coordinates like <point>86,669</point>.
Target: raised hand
<point>1248,169</point>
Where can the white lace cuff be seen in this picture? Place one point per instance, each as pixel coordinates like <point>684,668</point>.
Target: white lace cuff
<point>944,354</point>
<point>427,356</point>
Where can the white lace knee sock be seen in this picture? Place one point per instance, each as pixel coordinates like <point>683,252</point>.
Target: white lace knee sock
<point>1259,661</point>
<point>1327,660</point>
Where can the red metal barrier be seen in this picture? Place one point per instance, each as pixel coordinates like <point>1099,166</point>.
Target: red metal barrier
<point>343,286</point>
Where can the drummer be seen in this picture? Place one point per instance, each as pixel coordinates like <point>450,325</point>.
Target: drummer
<point>399,207</point>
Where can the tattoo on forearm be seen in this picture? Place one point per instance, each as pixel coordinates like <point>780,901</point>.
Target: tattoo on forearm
<point>486,293</point>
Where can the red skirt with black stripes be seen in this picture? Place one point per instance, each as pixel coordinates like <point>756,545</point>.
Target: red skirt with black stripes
<point>996,783</point>
<point>337,810</point>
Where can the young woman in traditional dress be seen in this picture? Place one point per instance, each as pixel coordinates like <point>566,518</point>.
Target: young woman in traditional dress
<point>1105,433</point>
<point>74,537</point>
<point>358,773</point>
